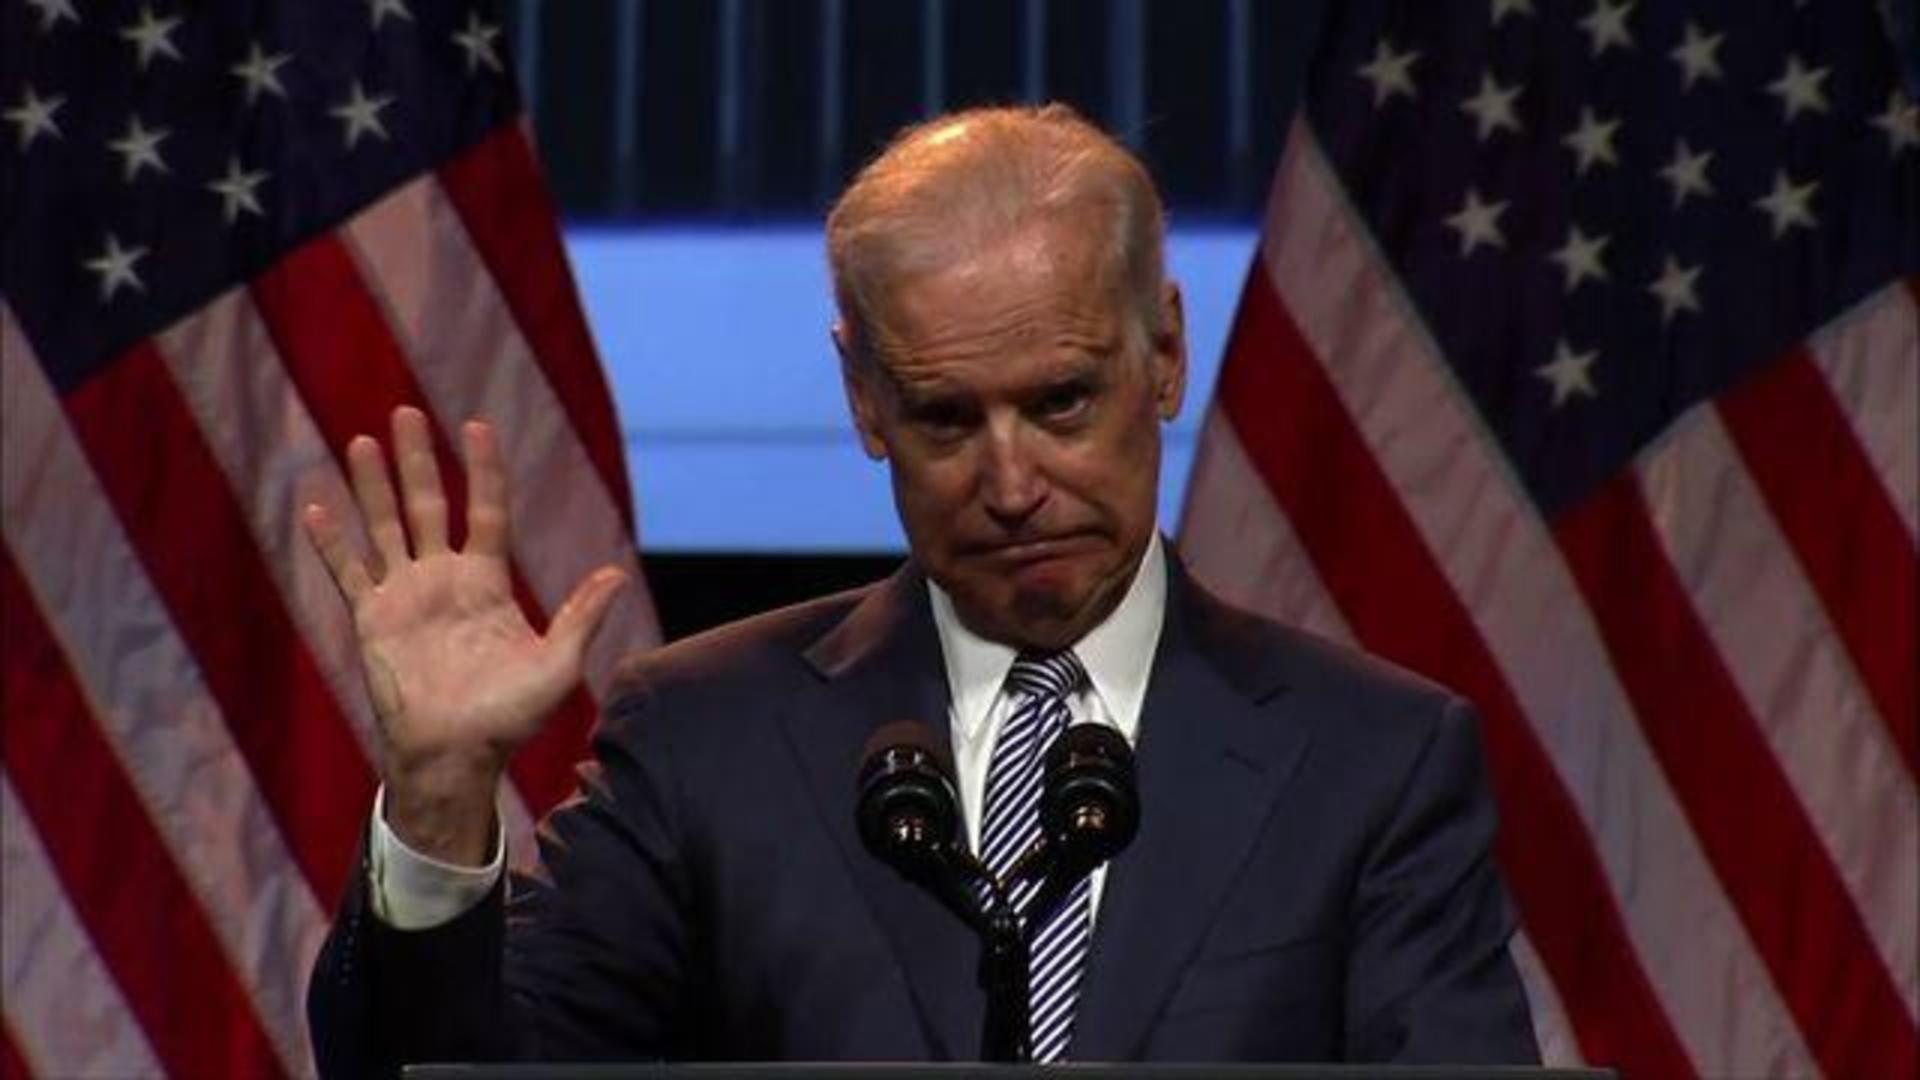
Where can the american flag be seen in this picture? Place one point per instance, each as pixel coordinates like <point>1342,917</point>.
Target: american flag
<point>1578,369</point>
<point>236,234</point>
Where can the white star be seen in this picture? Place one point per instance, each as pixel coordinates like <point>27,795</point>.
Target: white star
<point>34,115</point>
<point>1390,72</point>
<point>114,264</point>
<point>260,72</point>
<point>477,42</point>
<point>1606,25</point>
<point>152,36</point>
<point>1592,141</point>
<point>52,11</point>
<point>1698,57</point>
<point>1492,107</point>
<point>1901,122</point>
<point>1570,373</point>
<point>1687,173</point>
<point>1789,204</point>
<point>360,115</point>
<point>1504,8</point>
<point>1477,223</point>
<point>139,149</point>
<point>236,190</point>
<point>380,9</point>
<point>1674,289</point>
<point>1579,257</point>
<point>1798,88</point>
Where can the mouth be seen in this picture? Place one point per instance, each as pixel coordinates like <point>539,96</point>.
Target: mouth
<point>1024,552</point>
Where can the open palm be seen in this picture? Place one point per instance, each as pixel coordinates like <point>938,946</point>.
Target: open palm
<point>458,677</point>
<point>451,658</point>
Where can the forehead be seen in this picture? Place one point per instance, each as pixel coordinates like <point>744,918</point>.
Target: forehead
<point>1043,297</point>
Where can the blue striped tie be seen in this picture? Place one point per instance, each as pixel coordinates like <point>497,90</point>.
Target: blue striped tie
<point>1040,685</point>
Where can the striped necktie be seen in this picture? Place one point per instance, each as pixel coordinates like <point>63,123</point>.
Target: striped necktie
<point>1040,684</point>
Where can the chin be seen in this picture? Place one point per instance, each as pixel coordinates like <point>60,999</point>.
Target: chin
<point>1046,605</point>
<point>1056,618</point>
<point>1042,613</point>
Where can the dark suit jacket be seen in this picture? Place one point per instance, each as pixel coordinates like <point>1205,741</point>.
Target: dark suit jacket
<point>1312,879</point>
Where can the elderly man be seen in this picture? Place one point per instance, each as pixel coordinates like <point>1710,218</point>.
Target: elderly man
<point>1311,879</point>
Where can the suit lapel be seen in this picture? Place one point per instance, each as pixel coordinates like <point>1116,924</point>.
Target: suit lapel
<point>1210,762</point>
<point>881,664</point>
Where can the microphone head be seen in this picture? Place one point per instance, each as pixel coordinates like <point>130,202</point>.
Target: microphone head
<point>906,811</point>
<point>1090,804</point>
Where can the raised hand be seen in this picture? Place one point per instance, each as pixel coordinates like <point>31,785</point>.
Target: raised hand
<point>458,677</point>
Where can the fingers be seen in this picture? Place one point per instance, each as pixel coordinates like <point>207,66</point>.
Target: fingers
<point>423,497</point>
<point>579,618</point>
<point>348,572</point>
<point>420,489</point>
<point>487,514</point>
<point>367,469</point>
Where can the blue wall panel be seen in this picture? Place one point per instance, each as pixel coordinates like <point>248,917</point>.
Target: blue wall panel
<point>729,395</point>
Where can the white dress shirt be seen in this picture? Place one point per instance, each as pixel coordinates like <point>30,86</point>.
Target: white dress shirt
<point>412,891</point>
<point>1118,655</point>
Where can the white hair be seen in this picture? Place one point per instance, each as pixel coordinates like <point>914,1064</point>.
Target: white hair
<point>955,186</point>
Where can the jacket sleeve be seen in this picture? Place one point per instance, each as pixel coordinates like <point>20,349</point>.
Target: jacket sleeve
<point>584,959</point>
<point>603,941</point>
<point>380,997</point>
<point>1430,978</point>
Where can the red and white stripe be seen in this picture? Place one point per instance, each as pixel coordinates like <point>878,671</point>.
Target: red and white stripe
<point>445,309</point>
<point>1859,356</point>
<point>1710,816</point>
<point>1796,679</point>
<point>188,738</point>
<point>87,1031</point>
<point>275,461</point>
<point>158,728</point>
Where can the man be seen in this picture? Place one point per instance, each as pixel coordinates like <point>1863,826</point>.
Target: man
<point>1311,879</point>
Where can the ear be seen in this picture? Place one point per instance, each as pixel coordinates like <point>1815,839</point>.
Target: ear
<point>862,394</point>
<point>1170,353</point>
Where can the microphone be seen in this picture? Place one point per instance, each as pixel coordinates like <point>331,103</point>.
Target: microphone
<point>1090,804</point>
<point>1089,813</point>
<point>908,816</point>
<point>907,811</point>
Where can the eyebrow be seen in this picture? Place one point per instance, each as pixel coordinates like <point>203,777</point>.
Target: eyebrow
<point>1086,363</point>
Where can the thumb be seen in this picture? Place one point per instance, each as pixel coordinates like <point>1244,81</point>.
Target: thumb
<point>579,618</point>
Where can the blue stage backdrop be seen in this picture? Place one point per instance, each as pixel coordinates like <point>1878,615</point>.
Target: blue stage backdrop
<point>715,341</point>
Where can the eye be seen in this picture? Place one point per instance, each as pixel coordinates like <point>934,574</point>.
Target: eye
<point>940,416</point>
<point>1064,401</point>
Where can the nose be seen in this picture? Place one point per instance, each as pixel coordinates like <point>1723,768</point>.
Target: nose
<point>1012,483</point>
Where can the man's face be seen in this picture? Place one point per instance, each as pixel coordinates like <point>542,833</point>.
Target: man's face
<point>1017,401</point>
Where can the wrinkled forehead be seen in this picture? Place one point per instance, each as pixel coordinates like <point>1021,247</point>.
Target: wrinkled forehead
<point>1054,254</point>
<point>1048,285</point>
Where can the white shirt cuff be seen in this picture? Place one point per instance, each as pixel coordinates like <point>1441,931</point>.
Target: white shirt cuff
<point>411,891</point>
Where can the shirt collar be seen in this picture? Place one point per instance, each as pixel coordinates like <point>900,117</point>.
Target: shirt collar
<point>1118,653</point>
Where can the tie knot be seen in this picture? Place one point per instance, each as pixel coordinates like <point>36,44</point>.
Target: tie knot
<point>1054,674</point>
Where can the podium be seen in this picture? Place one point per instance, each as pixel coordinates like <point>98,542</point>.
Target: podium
<point>964,1070</point>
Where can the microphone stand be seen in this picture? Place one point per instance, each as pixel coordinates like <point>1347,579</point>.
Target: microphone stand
<point>908,816</point>
<point>1057,876</point>
<point>1006,938</point>
<point>1007,944</point>
<point>1003,975</point>
<point>982,901</point>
